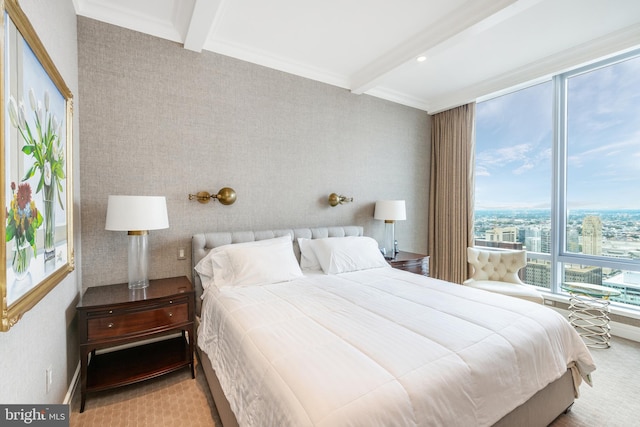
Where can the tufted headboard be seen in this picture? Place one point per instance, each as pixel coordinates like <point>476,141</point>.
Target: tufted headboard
<point>203,242</point>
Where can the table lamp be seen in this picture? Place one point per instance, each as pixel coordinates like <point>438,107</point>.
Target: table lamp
<point>389,211</point>
<point>137,215</point>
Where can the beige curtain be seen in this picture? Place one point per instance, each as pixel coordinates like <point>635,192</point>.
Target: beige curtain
<point>451,192</point>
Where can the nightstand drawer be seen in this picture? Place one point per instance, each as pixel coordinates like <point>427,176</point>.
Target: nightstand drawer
<point>414,263</point>
<point>412,266</point>
<point>118,324</point>
<point>408,265</point>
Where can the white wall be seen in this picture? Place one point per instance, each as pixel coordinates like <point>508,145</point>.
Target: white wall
<point>46,335</point>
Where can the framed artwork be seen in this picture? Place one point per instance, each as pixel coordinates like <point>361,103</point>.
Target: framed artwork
<point>36,180</point>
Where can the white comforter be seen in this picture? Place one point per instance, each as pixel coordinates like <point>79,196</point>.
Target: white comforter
<point>382,347</point>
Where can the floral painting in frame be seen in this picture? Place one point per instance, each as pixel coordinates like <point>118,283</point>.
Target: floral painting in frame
<point>36,168</point>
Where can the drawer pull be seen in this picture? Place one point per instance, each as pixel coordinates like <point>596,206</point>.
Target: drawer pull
<point>170,314</point>
<point>110,325</point>
<point>170,301</point>
<point>110,311</point>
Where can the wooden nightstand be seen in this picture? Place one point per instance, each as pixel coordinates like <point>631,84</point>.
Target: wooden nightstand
<point>113,315</point>
<point>415,263</point>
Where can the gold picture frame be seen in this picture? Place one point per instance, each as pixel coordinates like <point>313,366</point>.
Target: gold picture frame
<point>36,180</point>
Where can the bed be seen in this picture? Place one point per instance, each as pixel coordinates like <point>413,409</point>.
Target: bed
<point>366,344</point>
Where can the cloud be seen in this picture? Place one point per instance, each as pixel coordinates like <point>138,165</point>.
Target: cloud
<point>482,171</point>
<point>622,148</point>
<point>515,142</point>
<point>518,158</point>
<point>524,168</point>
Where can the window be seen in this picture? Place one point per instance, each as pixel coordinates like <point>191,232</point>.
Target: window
<point>514,176</point>
<point>567,187</point>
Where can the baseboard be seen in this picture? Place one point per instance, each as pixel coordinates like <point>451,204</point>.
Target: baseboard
<point>72,387</point>
<point>623,330</point>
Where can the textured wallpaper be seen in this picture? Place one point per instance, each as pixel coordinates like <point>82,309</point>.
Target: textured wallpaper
<point>160,120</point>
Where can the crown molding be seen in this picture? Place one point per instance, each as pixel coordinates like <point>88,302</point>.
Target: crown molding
<point>604,47</point>
<point>123,17</point>
<point>265,59</point>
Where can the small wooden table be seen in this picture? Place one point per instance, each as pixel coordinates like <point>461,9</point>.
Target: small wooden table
<point>114,315</point>
<point>589,307</point>
<point>409,261</point>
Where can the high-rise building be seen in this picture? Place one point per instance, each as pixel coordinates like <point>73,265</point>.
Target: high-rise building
<point>592,235</point>
<point>545,240</point>
<point>532,239</point>
<point>573,241</point>
<point>533,244</point>
<point>502,234</point>
<point>583,274</point>
<point>538,273</point>
<point>628,283</point>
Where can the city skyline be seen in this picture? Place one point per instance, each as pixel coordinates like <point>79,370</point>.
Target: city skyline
<point>613,234</point>
<point>514,142</point>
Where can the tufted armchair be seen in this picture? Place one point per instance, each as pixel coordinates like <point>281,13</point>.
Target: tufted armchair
<point>497,271</point>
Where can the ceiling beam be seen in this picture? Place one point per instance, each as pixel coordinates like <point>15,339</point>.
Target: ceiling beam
<point>486,24</point>
<point>203,20</point>
<point>464,18</point>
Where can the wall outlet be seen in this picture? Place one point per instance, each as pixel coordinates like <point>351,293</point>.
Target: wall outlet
<point>49,378</point>
<point>181,253</point>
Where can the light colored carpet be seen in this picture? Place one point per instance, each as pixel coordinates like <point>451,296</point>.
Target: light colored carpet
<point>613,399</point>
<point>177,400</point>
<point>174,399</point>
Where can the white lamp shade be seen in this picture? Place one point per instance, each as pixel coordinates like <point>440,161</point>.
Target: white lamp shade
<point>390,210</point>
<point>136,213</point>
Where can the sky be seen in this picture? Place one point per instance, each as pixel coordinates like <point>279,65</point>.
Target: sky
<point>514,143</point>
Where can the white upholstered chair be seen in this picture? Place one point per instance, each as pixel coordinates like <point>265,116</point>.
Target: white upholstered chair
<point>497,271</point>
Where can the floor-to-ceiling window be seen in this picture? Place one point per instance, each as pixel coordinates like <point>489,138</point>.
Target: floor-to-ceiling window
<point>558,174</point>
<point>514,176</point>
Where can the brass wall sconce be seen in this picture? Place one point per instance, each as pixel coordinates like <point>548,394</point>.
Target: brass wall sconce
<point>226,196</point>
<point>335,200</point>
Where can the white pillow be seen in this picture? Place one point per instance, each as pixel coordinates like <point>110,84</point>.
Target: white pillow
<point>308,258</point>
<point>215,264</point>
<point>204,267</point>
<point>251,263</point>
<point>344,254</point>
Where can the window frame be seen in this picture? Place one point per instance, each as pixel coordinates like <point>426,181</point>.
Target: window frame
<point>559,255</point>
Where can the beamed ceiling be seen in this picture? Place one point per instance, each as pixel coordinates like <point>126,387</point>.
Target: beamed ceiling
<point>471,48</point>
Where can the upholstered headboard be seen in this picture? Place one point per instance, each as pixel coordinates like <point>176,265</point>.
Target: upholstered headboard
<point>202,243</point>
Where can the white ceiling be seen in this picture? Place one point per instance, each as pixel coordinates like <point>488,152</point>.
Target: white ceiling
<point>472,47</point>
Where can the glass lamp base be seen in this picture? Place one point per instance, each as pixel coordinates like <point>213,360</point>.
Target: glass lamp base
<point>138,259</point>
<point>389,239</point>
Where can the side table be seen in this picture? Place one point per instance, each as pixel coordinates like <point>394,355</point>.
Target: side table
<point>110,316</point>
<point>409,261</point>
<point>589,307</point>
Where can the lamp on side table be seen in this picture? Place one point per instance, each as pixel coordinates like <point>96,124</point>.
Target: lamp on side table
<point>390,211</point>
<point>137,215</point>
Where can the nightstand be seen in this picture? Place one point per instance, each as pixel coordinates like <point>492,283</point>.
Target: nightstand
<point>110,316</point>
<point>415,263</point>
